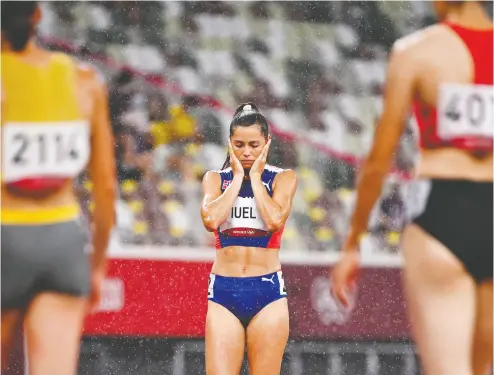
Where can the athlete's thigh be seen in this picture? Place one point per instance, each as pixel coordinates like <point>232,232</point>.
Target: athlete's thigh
<point>441,303</point>
<point>482,343</point>
<point>10,327</point>
<point>267,335</point>
<point>225,341</point>
<point>53,328</point>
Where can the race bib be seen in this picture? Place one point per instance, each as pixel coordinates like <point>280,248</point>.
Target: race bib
<point>465,111</point>
<point>44,149</point>
<point>244,214</point>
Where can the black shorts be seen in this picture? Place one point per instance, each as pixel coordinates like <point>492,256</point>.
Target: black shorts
<point>458,213</point>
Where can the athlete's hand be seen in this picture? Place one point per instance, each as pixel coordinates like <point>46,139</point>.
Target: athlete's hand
<point>97,278</point>
<point>258,166</point>
<point>237,168</point>
<point>344,275</point>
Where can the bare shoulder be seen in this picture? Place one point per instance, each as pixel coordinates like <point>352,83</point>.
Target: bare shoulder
<point>286,177</point>
<point>288,174</point>
<point>414,42</point>
<point>83,69</point>
<point>211,177</point>
<point>90,76</point>
<point>211,184</point>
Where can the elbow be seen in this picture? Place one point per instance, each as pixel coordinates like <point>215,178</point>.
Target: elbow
<point>106,194</point>
<point>276,221</point>
<point>376,170</point>
<point>378,164</point>
<point>274,226</point>
<point>110,190</point>
<point>105,198</point>
<point>211,225</point>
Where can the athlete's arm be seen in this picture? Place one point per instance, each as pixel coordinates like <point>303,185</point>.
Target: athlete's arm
<point>275,211</point>
<point>102,173</point>
<point>216,206</point>
<point>2,100</point>
<point>399,91</point>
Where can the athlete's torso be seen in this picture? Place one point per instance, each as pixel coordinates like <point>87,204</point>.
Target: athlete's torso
<point>244,245</point>
<point>453,105</point>
<point>245,226</point>
<point>46,106</point>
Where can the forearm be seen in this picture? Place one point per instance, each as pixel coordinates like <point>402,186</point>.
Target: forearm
<point>103,223</point>
<point>217,211</point>
<point>271,213</point>
<point>368,192</point>
<point>101,237</point>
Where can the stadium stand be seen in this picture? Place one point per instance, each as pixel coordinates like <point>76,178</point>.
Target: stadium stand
<point>175,70</point>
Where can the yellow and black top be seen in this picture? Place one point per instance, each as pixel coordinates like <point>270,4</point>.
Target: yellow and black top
<point>45,137</point>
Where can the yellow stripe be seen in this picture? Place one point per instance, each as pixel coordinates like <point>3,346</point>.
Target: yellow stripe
<point>40,216</point>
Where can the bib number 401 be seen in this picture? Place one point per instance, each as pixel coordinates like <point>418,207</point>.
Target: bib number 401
<point>476,109</point>
<point>465,111</point>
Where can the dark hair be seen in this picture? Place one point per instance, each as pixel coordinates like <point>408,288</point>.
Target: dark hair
<point>247,114</point>
<point>17,25</point>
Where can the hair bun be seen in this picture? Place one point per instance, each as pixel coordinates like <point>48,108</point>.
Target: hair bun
<point>246,107</point>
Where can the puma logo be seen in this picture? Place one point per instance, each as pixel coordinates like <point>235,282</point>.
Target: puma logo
<point>266,279</point>
<point>266,184</point>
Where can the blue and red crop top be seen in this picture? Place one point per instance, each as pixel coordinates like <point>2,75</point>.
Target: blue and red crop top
<point>245,226</point>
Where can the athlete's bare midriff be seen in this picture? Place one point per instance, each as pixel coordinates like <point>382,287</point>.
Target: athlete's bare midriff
<point>238,261</point>
<point>445,58</point>
<point>65,195</point>
<point>453,164</point>
<point>61,198</point>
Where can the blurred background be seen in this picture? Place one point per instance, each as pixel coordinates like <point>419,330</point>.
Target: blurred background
<point>175,71</point>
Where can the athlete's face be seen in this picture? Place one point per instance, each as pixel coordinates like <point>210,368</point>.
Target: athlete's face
<point>247,143</point>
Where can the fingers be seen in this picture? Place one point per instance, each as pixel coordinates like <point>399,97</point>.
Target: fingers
<point>340,292</point>
<point>233,158</point>
<point>91,305</point>
<point>230,149</point>
<point>94,301</point>
<point>264,152</point>
<point>341,288</point>
<point>266,148</point>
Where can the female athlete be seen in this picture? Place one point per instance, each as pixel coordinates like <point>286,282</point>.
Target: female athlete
<point>445,71</point>
<point>246,205</point>
<point>54,122</point>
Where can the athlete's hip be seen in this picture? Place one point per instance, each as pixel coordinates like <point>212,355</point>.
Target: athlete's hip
<point>43,258</point>
<point>21,212</point>
<point>65,235</point>
<point>245,297</point>
<point>269,285</point>
<point>454,164</point>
